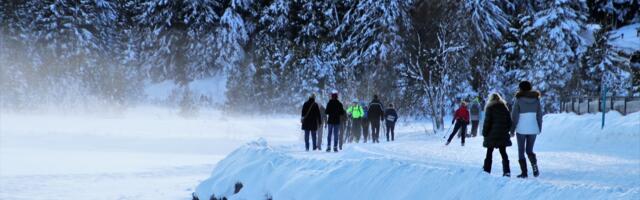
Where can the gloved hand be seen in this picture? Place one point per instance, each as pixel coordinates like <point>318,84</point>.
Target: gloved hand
<point>512,134</point>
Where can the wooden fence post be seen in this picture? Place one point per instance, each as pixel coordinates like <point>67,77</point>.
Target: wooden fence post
<point>600,104</point>
<point>588,104</point>
<point>613,98</point>
<point>572,104</point>
<point>626,99</point>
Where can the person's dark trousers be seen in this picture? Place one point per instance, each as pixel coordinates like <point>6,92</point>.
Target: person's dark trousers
<point>306,139</point>
<point>474,127</point>
<point>525,145</point>
<point>365,129</point>
<point>355,130</point>
<point>460,125</point>
<point>375,131</point>
<point>390,130</point>
<point>505,160</point>
<point>333,131</point>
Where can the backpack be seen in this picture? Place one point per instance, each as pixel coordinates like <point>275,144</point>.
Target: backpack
<point>475,109</point>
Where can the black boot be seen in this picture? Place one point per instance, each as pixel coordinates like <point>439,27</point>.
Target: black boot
<point>506,171</point>
<point>534,164</point>
<point>523,168</point>
<point>487,165</point>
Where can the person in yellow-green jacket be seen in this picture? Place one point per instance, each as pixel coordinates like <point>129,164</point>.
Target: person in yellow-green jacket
<point>356,113</point>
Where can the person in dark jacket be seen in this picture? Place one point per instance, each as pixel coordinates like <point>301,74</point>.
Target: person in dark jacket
<point>375,116</point>
<point>391,117</point>
<point>461,119</point>
<point>527,123</point>
<point>310,120</point>
<point>334,110</point>
<point>474,116</point>
<point>365,121</point>
<point>496,128</point>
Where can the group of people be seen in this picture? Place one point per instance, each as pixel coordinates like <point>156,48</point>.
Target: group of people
<point>346,125</point>
<point>524,121</point>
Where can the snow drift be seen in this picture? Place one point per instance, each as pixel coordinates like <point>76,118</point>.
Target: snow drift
<point>418,166</point>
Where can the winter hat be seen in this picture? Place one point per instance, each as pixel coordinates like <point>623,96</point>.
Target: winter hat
<point>390,105</point>
<point>312,96</point>
<point>463,103</point>
<point>525,86</point>
<point>334,94</point>
<point>375,96</point>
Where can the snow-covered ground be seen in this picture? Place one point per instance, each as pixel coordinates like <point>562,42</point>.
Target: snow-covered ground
<point>143,153</point>
<point>577,160</point>
<point>152,153</point>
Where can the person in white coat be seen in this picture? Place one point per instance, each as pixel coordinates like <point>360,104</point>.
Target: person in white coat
<point>527,124</point>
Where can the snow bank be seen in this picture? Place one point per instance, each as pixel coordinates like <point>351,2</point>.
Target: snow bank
<point>620,136</point>
<point>425,169</point>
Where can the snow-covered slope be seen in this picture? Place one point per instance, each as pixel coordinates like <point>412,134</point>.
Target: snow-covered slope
<point>626,38</point>
<point>576,158</point>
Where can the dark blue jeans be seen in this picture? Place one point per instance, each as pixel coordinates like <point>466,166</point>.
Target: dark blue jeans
<point>313,139</point>
<point>525,145</point>
<point>334,130</point>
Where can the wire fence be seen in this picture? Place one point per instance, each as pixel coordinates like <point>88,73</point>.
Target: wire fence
<point>593,104</point>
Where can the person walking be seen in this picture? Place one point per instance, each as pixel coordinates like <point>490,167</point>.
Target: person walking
<point>496,128</point>
<point>474,116</point>
<point>310,120</point>
<point>390,116</point>
<point>334,110</point>
<point>355,113</point>
<point>375,116</point>
<point>323,121</point>
<point>527,124</point>
<point>365,122</point>
<point>461,119</point>
<point>344,128</point>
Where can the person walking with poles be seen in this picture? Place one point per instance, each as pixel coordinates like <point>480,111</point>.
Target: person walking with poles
<point>461,119</point>
<point>356,113</point>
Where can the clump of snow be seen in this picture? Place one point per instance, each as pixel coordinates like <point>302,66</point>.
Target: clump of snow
<point>576,158</point>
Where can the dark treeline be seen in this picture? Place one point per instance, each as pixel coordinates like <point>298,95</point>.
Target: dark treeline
<point>420,54</point>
